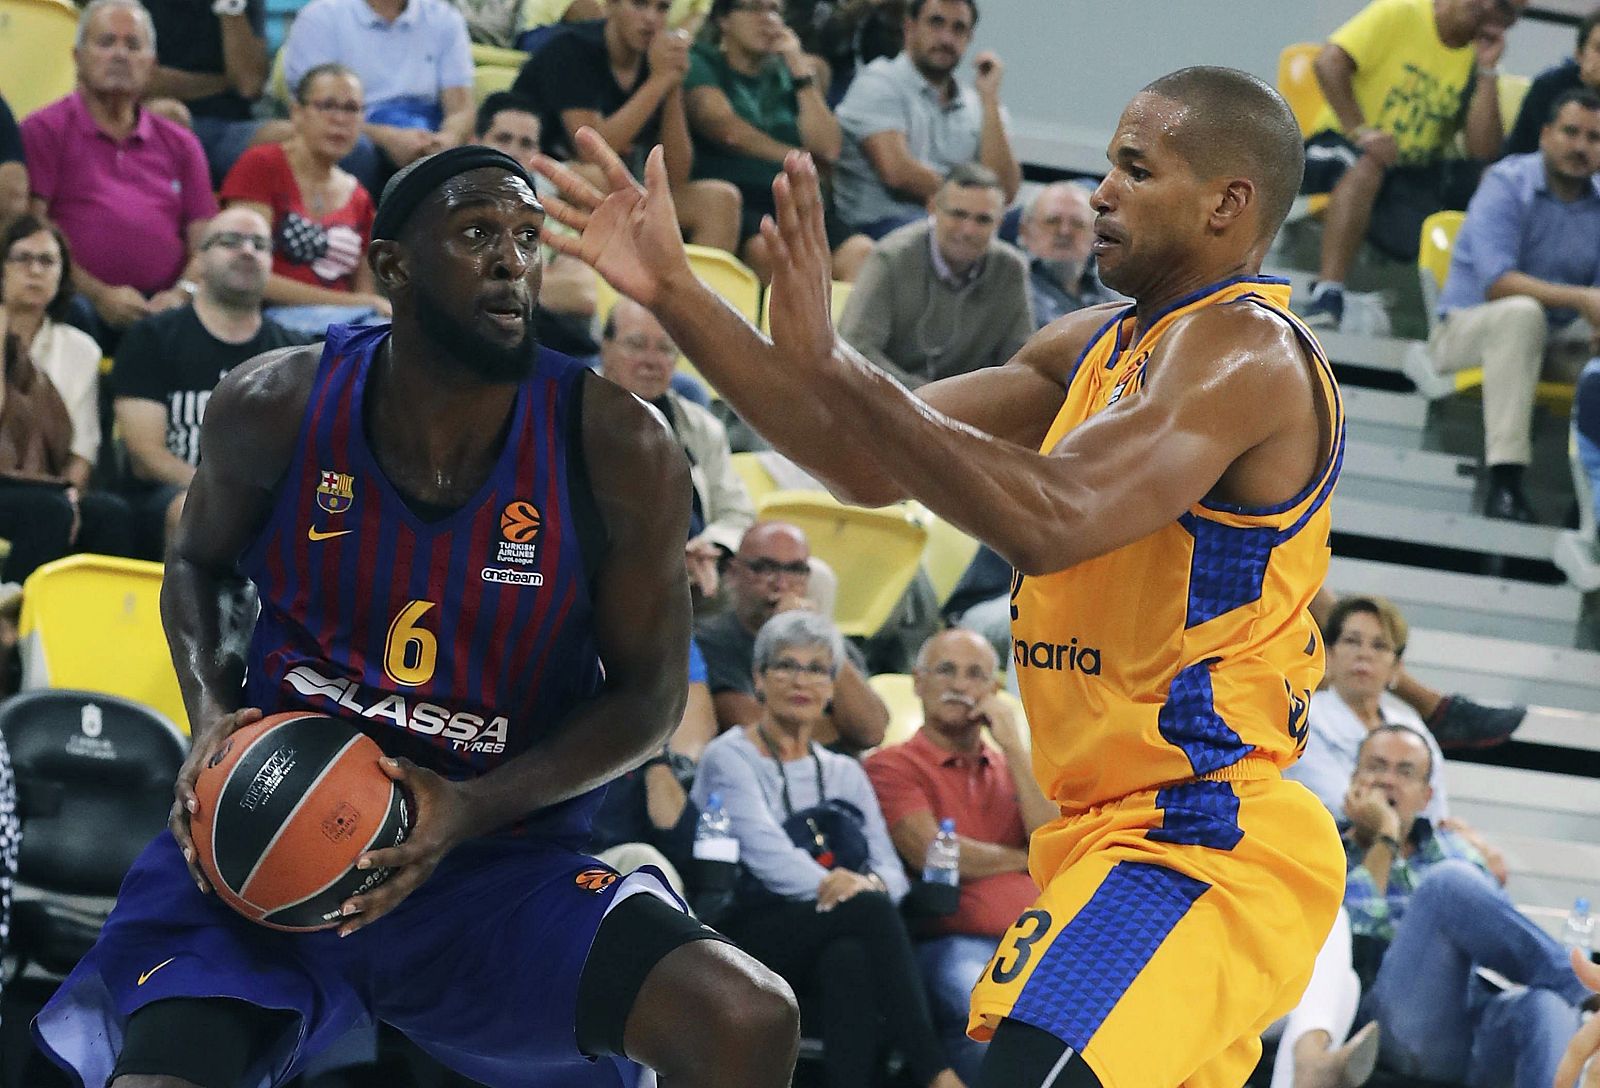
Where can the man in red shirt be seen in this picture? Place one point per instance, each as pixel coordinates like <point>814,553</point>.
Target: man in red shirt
<point>947,771</point>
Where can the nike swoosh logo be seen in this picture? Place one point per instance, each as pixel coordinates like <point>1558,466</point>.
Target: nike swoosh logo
<point>313,533</point>
<point>146,976</point>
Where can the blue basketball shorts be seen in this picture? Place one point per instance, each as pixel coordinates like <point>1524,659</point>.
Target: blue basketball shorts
<point>479,966</point>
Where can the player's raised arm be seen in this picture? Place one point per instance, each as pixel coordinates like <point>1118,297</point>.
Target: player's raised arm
<point>630,235</point>
<point>206,607</point>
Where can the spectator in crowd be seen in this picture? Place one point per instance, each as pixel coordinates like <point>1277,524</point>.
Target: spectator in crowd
<point>1400,78</point>
<point>321,215</point>
<point>637,354</point>
<point>538,17</point>
<point>768,575</point>
<point>13,168</point>
<point>10,843</point>
<point>1522,298</point>
<point>414,61</point>
<point>1586,428</point>
<point>49,415</point>
<point>168,364</point>
<point>1421,899</point>
<point>568,293</point>
<point>1366,640</point>
<point>212,57</point>
<point>1056,232</point>
<point>943,296</point>
<point>946,771</point>
<point>907,122</point>
<point>1578,1061</point>
<point>848,34</point>
<point>130,190</point>
<point>1454,721</point>
<point>822,915</point>
<point>753,95</point>
<point>623,77</point>
<point>647,817</point>
<point>1582,69</point>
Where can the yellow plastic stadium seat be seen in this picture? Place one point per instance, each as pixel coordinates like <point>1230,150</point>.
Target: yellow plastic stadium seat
<point>874,553</point>
<point>841,292</point>
<point>1297,82</point>
<point>93,622</point>
<point>489,78</point>
<point>496,56</point>
<point>1439,232</point>
<point>36,66</point>
<point>729,277</point>
<point>905,709</point>
<point>947,556</point>
<point>758,482</point>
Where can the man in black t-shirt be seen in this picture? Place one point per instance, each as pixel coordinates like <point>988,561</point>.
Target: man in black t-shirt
<point>168,364</point>
<point>211,55</point>
<point>573,78</point>
<point>13,169</point>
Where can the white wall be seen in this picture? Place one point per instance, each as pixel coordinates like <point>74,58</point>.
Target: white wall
<point>1071,65</point>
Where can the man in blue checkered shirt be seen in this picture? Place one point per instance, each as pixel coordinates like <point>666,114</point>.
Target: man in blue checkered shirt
<point>1420,897</point>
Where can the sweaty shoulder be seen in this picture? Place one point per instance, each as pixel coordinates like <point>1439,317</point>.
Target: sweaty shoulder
<point>253,417</point>
<point>1054,350</point>
<point>634,459</point>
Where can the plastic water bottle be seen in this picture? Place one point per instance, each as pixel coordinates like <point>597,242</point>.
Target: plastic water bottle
<point>1579,931</point>
<point>942,864</point>
<point>713,837</point>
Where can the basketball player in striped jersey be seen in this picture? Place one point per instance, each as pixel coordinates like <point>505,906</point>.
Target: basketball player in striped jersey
<point>449,529</point>
<point>1159,474</point>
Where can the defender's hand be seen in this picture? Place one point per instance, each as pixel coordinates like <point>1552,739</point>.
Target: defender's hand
<point>802,278</point>
<point>440,821</point>
<point>629,233</point>
<point>184,803</point>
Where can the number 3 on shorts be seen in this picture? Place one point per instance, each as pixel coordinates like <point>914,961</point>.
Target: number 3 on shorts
<point>411,651</point>
<point>1024,932</point>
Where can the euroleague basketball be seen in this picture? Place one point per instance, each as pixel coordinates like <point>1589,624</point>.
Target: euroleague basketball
<point>287,805</point>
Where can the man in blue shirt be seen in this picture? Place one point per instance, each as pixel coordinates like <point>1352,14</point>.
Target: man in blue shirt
<point>1523,294</point>
<point>1421,901</point>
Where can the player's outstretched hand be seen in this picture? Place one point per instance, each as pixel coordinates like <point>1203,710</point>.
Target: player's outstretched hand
<point>1586,1043</point>
<point>184,803</point>
<point>438,823</point>
<point>802,264</point>
<point>629,233</point>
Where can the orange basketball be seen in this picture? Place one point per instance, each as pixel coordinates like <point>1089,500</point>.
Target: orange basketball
<point>519,522</point>
<point>287,805</point>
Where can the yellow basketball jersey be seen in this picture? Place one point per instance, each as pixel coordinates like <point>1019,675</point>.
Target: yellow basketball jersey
<point>1178,655</point>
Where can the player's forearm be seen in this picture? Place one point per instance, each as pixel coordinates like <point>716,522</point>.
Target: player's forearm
<point>208,619</point>
<point>606,737</point>
<point>797,411</point>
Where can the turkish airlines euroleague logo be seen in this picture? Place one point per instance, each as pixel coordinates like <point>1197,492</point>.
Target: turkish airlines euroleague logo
<point>519,522</point>
<point>519,545</point>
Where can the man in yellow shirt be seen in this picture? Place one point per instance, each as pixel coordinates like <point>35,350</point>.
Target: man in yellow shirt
<point>1400,78</point>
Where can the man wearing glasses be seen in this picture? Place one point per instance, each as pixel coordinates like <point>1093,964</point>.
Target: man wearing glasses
<point>943,296</point>
<point>1423,905</point>
<point>167,365</point>
<point>769,574</point>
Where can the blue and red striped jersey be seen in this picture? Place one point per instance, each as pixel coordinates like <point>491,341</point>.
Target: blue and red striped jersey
<point>456,643</point>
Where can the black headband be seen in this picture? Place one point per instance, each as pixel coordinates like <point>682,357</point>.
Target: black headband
<point>412,185</point>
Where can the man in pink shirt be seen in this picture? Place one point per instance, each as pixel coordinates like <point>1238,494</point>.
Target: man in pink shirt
<point>130,190</point>
<point>946,771</point>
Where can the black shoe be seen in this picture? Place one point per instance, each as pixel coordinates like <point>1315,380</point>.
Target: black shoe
<point>1507,504</point>
<point>1458,722</point>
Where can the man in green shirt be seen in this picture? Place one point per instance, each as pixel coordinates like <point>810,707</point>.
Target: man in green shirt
<point>752,95</point>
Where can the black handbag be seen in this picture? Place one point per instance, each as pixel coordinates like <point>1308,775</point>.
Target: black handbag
<point>833,832</point>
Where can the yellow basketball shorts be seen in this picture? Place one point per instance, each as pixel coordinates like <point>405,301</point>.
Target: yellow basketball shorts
<point>1174,926</point>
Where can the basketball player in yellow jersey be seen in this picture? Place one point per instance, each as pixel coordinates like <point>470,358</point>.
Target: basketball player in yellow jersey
<point>1159,475</point>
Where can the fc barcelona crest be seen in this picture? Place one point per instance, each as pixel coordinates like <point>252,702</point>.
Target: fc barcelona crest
<point>336,491</point>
